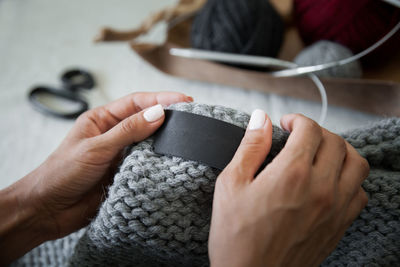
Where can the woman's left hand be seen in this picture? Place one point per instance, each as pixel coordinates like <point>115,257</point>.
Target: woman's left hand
<point>71,183</point>
<point>63,194</point>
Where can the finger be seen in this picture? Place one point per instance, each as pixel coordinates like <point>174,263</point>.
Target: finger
<point>133,103</point>
<point>133,129</point>
<point>253,148</point>
<point>354,171</point>
<point>109,115</point>
<point>304,139</point>
<point>348,215</point>
<point>357,204</point>
<point>330,155</point>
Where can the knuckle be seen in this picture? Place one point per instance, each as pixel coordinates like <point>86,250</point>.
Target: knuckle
<point>338,141</point>
<point>248,150</point>
<point>324,198</point>
<point>85,116</point>
<point>241,164</point>
<point>325,201</point>
<point>101,113</point>
<point>299,116</point>
<point>364,166</point>
<point>311,126</point>
<point>85,149</point>
<point>95,115</point>
<point>346,195</point>
<point>254,140</point>
<point>298,172</point>
<point>314,127</point>
<point>227,178</point>
<point>222,176</point>
<point>311,123</point>
<point>226,173</point>
<point>128,125</point>
<point>341,145</point>
<point>251,146</point>
<point>359,164</point>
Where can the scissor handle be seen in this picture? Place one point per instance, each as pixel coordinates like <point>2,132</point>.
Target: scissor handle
<point>76,79</point>
<point>62,94</point>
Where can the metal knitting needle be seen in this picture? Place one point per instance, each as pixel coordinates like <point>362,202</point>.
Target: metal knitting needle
<point>258,61</point>
<point>230,58</point>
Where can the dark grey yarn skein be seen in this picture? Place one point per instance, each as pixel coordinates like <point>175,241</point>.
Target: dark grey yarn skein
<point>250,27</point>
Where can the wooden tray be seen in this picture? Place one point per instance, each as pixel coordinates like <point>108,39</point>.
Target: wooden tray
<point>373,96</point>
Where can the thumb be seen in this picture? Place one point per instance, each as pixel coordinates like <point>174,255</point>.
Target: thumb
<point>134,128</point>
<point>254,147</point>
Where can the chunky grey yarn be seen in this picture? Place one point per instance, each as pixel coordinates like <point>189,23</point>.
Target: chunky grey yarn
<point>52,253</point>
<point>374,238</point>
<point>159,205</point>
<point>327,51</point>
<point>158,209</point>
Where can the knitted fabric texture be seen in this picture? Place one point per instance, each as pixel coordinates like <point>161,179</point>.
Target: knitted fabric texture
<point>158,210</point>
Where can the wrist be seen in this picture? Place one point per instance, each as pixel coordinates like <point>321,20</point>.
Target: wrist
<point>22,226</point>
<point>33,197</point>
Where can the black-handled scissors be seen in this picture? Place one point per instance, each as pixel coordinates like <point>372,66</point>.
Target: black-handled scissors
<point>72,81</point>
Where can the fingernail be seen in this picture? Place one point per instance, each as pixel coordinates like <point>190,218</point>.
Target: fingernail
<point>257,120</point>
<point>154,113</point>
<point>189,99</point>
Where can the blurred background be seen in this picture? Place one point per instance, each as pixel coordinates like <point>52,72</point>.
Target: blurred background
<point>40,39</point>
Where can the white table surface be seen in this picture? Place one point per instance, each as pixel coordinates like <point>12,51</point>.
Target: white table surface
<point>39,39</point>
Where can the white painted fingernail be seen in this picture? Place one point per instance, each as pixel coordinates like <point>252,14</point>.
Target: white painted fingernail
<point>257,119</point>
<point>154,113</point>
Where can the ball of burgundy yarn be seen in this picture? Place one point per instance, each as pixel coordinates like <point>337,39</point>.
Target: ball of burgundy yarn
<point>250,27</point>
<point>356,24</point>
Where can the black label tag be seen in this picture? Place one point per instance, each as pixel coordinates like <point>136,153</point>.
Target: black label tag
<point>199,138</point>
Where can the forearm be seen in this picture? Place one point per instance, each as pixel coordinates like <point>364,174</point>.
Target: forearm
<point>21,228</point>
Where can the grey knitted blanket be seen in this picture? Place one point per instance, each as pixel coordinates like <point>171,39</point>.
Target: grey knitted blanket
<point>158,209</point>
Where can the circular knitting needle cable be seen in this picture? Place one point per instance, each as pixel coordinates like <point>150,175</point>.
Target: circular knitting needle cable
<point>253,61</point>
<point>297,71</point>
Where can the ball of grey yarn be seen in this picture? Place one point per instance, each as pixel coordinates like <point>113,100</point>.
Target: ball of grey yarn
<point>327,51</point>
<point>250,27</point>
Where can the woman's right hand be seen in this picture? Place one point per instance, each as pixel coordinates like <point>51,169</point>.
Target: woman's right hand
<point>298,208</point>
